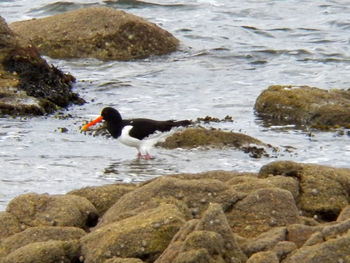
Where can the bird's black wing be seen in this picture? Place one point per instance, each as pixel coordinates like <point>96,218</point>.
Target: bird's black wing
<point>143,128</point>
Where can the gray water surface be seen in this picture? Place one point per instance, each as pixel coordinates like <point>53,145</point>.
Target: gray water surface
<point>230,52</point>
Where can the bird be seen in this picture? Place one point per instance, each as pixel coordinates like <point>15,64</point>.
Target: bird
<point>140,133</point>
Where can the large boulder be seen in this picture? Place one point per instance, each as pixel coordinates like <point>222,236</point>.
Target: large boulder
<point>303,105</point>
<point>28,85</point>
<point>56,210</point>
<point>9,225</point>
<point>98,32</point>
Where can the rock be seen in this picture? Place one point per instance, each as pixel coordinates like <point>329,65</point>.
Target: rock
<point>103,197</point>
<point>323,190</point>
<point>208,239</point>
<point>264,257</point>
<point>144,235</point>
<point>262,210</point>
<point>283,249</point>
<point>330,251</point>
<point>187,195</point>
<point>199,137</point>
<point>28,85</point>
<point>265,241</point>
<point>344,214</point>
<point>123,260</point>
<point>298,233</point>
<point>46,252</point>
<point>9,225</point>
<point>98,32</point>
<point>38,234</point>
<point>56,210</point>
<point>303,105</point>
<point>249,183</point>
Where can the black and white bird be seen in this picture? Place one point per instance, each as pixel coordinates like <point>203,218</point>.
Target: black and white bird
<point>140,133</point>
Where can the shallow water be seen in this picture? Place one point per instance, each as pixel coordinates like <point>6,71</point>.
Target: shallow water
<point>230,51</point>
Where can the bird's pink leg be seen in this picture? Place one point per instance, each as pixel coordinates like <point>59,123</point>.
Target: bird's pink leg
<point>139,155</point>
<point>147,156</point>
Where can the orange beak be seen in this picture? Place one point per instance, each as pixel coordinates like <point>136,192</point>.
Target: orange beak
<point>86,126</point>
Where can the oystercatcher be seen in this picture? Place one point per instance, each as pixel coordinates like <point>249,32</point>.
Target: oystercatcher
<point>139,133</point>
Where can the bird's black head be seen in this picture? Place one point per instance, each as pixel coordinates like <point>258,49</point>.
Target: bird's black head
<point>111,114</point>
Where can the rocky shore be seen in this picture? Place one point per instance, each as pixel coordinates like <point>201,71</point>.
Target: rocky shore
<point>287,212</point>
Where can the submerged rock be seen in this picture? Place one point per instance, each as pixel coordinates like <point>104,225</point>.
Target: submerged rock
<point>98,32</point>
<point>28,85</point>
<point>199,137</point>
<point>304,106</point>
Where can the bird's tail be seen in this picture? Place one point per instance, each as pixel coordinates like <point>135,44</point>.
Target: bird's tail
<point>183,123</point>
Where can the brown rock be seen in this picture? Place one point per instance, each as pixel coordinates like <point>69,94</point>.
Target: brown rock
<point>283,249</point>
<point>344,214</point>
<point>209,239</point>
<point>324,190</point>
<point>265,241</point>
<point>199,137</point>
<point>193,195</point>
<point>39,234</point>
<point>123,260</point>
<point>264,257</point>
<point>103,197</point>
<point>144,235</point>
<point>262,210</point>
<point>303,105</point>
<point>9,225</point>
<point>56,210</point>
<point>298,233</point>
<point>99,32</point>
<point>45,252</point>
<point>330,251</point>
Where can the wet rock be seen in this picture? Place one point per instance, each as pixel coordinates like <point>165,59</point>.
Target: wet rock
<point>56,210</point>
<point>98,32</point>
<point>28,85</point>
<point>38,234</point>
<point>103,197</point>
<point>262,210</point>
<point>209,239</point>
<point>264,257</point>
<point>329,251</point>
<point>303,105</point>
<point>9,225</point>
<point>45,252</point>
<point>323,190</point>
<point>199,137</point>
<point>188,195</point>
<point>143,236</point>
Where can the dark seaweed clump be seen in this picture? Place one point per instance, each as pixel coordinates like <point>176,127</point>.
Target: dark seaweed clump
<point>40,80</point>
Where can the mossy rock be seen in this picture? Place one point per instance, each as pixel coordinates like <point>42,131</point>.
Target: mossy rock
<point>213,138</point>
<point>304,106</point>
<point>98,32</point>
